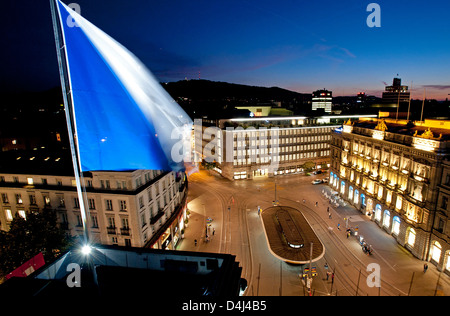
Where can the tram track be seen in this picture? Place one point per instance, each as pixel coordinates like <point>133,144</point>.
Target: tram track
<point>347,258</point>
<point>233,212</point>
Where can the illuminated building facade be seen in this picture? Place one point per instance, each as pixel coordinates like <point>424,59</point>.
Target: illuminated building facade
<point>397,173</point>
<point>396,93</point>
<point>139,208</point>
<point>247,148</point>
<point>322,99</point>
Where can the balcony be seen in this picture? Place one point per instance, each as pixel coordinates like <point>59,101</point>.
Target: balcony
<point>125,231</point>
<point>111,230</point>
<point>155,218</point>
<point>64,225</point>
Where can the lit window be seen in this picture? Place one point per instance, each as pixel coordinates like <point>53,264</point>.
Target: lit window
<point>30,181</point>
<point>436,251</point>
<point>9,216</point>
<point>411,237</point>
<point>387,218</point>
<point>22,214</point>
<point>396,225</point>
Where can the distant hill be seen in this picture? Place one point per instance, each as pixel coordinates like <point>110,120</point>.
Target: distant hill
<point>216,99</point>
<point>205,89</point>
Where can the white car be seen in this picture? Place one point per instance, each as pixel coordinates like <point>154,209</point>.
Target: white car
<point>317,181</point>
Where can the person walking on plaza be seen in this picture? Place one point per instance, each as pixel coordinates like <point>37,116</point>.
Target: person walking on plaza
<point>339,226</point>
<point>195,242</point>
<point>425,267</point>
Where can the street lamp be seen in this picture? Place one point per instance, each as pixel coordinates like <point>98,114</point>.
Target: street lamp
<point>86,250</point>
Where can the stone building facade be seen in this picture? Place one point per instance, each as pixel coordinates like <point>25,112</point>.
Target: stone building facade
<point>137,208</point>
<point>398,174</point>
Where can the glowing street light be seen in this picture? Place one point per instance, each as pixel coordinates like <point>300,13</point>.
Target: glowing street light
<point>86,250</point>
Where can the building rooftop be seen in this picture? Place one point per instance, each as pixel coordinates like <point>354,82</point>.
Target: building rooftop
<point>416,128</point>
<point>111,271</point>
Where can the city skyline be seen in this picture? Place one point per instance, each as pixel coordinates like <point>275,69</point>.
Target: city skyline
<point>301,47</point>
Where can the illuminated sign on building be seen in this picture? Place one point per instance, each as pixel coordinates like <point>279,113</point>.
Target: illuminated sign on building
<point>425,144</point>
<point>378,134</point>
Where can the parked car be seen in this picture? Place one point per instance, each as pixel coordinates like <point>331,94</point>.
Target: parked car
<point>317,181</point>
<point>317,172</point>
<point>325,180</point>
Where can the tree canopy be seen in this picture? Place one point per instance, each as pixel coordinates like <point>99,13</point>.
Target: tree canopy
<point>39,232</point>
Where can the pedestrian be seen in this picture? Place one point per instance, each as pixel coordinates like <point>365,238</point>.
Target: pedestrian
<point>328,274</point>
<point>317,203</point>
<point>425,267</point>
<point>329,215</point>
<point>304,201</point>
<point>214,230</point>
<point>339,226</point>
<point>195,242</point>
<point>328,209</point>
<point>348,234</point>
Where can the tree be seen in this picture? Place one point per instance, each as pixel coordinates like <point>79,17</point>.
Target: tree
<point>308,166</point>
<point>39,232</point>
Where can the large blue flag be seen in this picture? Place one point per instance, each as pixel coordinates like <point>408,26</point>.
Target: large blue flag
<point>123,118</point>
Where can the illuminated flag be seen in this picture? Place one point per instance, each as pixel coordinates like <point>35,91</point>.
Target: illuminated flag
<point>123,119</point>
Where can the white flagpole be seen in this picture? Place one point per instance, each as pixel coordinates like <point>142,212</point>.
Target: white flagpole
<point>65,84</point>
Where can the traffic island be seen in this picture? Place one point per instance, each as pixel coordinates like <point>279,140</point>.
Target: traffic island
<point>289,235</point>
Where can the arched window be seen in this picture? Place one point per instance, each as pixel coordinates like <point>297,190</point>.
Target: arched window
<point>386,218</point>
<point>396,225</point>
<point>436,250</point>
<point>356,197</point>
<point>378,212</point>
<point>342,187</point>
<point>447,266</point>
<point>350,193</point>
<point>411,237</point>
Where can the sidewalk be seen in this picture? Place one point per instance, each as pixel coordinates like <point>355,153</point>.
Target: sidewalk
<point>407,268</point>
<point>197,230</point>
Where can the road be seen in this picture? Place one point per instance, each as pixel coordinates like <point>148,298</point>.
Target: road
<point>233,206</point>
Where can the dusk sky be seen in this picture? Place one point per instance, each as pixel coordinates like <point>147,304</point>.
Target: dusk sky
<point>294,44</point>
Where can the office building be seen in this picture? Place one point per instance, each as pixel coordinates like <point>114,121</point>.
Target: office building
<point>322,99</point>
<point>247,148</point>
<point>396,94</point>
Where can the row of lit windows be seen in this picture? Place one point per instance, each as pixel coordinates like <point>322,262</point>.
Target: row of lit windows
<point>281,158</point>
<point>281,132</point>
<point>275,141</point>
<point>284,149</point>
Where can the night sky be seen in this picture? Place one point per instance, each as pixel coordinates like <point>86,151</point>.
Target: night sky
<point>298,45</point>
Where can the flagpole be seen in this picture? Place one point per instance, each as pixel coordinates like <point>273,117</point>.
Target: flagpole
<point>66,91</point>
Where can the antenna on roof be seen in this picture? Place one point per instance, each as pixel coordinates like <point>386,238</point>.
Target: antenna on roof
<point>423,103</point>
<point>409,104</point>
